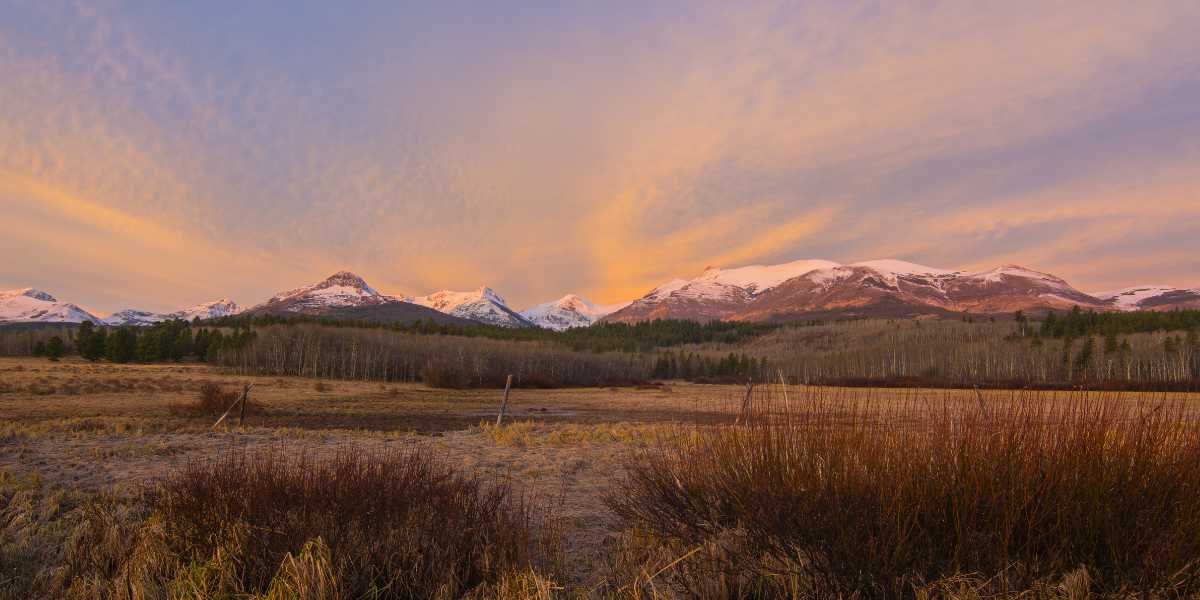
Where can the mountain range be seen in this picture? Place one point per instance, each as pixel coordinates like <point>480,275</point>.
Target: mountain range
<point>803,289</point>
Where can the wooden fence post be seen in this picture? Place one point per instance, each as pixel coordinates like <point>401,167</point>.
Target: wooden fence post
<point>745,416</point>
<point>245,398</point>
<point>241,400</point>
<point>504,404</point>
<point>787,404</point>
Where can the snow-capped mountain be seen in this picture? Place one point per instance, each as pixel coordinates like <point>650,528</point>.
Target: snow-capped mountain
<point>569,311</point>
<point>133,318</point>
<point>884,288</point>
<point>342,289</point>
<point>208,310</point>
<point>28,305</point>
<point>715,294</point>
<point>141,318</point>
<point>1151,297</point>
<point>483,305</point>
<point>802,289</point>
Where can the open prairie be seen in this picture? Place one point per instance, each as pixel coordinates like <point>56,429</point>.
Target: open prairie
<point>83,430</point>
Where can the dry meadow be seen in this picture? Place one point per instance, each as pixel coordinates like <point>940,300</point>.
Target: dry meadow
<point>73,431</point>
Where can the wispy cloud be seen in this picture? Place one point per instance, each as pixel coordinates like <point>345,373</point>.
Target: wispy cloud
<point>598,149</point>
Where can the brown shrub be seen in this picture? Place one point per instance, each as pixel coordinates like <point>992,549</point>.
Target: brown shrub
<point>265,526</point>
<point>840,499</point>
<point>214,399</point>
<point>384,526</point>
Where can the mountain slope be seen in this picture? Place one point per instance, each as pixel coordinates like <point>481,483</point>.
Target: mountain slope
<point>567,312</point>
<point>1011,287</point>
<point>394,312</point>
<point>28,305</point>
<point>1151,297</point>
<point>208,310</point>
<point>877,288</point>
<point>482,305</point>
<point>715,294</point>
<point>342,289</point>
<point>131,317</point>
<point>141,318</point>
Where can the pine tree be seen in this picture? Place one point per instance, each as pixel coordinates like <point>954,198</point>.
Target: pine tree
<point>55,348</point>
<point>1065,359</point>
<point>96,342</point>
<point>183,345</point>
<point>83,337</point>
<point>1083,361</point>
<point>1110,344</point>
<point>200,344</point>
<point>122,345</point>
<point>1050,325</point>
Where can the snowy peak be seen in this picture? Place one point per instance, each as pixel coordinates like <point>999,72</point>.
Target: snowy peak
<point>759,278</point>
<point>1001,273</point>
<point>342,289</point>
<point>28,293</point>
<point>1131,297</point>
<point>141,318</point>
<point>483,305</point>
<point>208,310</point>
<point>892,266</point>
<point>27,305</point>
<point>342,284</point>
<point>717,293</point>
<point>349,280</point>
<point>884,287</point>
<point>132,317</point>
<point>1151,297</point>
<point>567,312</point>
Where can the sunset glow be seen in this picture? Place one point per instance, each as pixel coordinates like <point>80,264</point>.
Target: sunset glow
<point>153,153</point>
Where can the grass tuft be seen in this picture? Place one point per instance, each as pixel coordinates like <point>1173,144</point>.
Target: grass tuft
<point>843,499</point>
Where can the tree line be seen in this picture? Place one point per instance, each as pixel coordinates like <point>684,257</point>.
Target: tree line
<point>1003,353</point>
<point>1078,323</point>
<point>169,341</point>
<point>644,336</point>
<point>375,354</point>
<point>693,366</point>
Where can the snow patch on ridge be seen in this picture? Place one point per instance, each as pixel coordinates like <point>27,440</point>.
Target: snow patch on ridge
<point>29,305</point>
<point>756,279</point>
<point>483,305</point>
<point>569,311</point>
<point>1131,298</point>
<point>891,266</point>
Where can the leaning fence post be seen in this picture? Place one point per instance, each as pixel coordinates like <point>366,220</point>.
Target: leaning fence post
<point>241,399</point>
<point>787,404</point>
<point>504,404</point>
<point>245,398</point>
<point>745,416</point>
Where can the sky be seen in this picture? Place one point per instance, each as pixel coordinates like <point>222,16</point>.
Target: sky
<point>160,154</point>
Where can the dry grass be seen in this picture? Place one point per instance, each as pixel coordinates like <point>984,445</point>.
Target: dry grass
<point>120,433</point>
<point>353,525</point>
<point>830,498</point>
<point>524,434</point>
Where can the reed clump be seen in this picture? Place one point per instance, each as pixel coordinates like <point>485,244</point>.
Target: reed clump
<point>830,497</point>
<point>350,525</point>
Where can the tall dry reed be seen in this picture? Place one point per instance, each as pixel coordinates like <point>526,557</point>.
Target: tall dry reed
<point>881,498</point>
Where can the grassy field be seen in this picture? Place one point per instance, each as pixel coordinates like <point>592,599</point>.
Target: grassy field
<point>72,432</point>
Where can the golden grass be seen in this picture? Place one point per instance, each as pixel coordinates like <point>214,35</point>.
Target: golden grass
<point>74,428</point>
<point>525,434</point>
